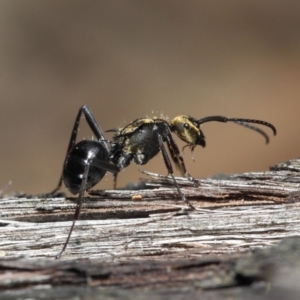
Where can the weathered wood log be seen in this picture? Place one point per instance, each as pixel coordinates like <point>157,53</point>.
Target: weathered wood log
<point>234,214</point>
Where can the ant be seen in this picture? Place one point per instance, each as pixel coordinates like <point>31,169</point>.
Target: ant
<point>87,162</point>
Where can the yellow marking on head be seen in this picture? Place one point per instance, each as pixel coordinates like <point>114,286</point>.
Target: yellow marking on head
<point>186,129</point>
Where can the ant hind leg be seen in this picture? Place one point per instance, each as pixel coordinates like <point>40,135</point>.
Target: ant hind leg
<point>78,207</point>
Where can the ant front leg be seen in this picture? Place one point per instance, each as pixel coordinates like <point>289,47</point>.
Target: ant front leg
<point>178,159</point>
<point>170,171</point>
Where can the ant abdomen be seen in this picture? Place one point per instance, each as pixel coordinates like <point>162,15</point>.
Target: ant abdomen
<point>83,153</point>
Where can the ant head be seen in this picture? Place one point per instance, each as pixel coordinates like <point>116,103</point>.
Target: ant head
<point>188,130</point>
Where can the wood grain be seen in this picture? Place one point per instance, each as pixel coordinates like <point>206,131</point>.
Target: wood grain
<point>150,227</point>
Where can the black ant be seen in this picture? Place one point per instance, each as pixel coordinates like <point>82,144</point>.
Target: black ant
<point>87,161</point>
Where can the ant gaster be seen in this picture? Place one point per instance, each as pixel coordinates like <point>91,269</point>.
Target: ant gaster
<point>87,161</point>
<point>85,164</point>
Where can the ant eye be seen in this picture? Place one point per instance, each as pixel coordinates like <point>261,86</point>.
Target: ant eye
<point>186,126</point>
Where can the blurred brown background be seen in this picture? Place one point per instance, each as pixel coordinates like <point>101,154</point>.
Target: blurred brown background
<point>130,59</point>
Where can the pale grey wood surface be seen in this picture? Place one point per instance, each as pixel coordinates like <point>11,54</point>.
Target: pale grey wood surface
<point>236,214</point>
<point>143,244</point>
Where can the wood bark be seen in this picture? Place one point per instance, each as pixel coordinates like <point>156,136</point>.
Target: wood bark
<point>133,239</point>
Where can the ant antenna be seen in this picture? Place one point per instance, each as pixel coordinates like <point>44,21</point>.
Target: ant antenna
<point>242,122</point>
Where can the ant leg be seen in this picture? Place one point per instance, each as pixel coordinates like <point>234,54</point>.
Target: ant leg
<point>78,207</point>
<point>110,167</point>
<point>121,164</point>
<point>178,159</point>
<point>94,127</point>
<point>170,171</point>
<point>115,181</point>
